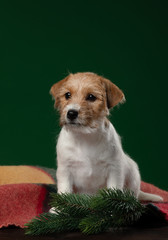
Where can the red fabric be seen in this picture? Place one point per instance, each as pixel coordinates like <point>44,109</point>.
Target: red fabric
<point>163,207</point>
<point>19,203</point>
<point>149,188</point>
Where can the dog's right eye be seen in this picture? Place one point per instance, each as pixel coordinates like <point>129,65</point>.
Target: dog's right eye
<point>67,95</point>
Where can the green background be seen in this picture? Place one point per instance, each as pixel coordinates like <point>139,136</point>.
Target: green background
<point>126,41</point>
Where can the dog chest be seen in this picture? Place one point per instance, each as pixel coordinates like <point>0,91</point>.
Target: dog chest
<point>81,150</point>
<point>87,159</point>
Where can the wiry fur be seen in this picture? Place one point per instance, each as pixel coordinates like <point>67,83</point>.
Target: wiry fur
<point>89,150</point>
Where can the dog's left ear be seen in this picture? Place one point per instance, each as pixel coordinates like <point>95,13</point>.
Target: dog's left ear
<point>113,93</point>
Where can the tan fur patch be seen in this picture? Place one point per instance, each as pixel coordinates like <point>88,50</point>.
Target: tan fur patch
<point>80,85</point>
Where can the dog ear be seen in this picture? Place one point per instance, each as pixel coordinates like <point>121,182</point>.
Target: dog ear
<point>113,93</point>
<point>55,89</point>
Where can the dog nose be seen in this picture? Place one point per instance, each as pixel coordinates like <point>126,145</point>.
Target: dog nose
<point>72,114</point>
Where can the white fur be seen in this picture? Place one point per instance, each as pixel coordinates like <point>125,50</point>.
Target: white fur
<point>89,150</point>
<point>90,160</point>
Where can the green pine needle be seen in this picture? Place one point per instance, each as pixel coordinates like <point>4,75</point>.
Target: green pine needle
<point>73,204</point>
<point>51,223</point>
<point>110,208</point>
<point>118,203</point>
<point>94,224</point>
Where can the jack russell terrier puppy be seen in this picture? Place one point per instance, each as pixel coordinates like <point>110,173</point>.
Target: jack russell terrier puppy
<point>89,150</point>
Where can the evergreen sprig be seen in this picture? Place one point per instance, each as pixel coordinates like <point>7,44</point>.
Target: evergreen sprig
<point>110,208</point>
<point>72,204</point>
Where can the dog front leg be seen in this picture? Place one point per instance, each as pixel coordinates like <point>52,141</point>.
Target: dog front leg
<point>64,184</point>
<point>115,180</point>
<point>64,180</point>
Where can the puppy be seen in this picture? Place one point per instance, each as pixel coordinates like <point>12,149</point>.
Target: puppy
<point>89,150</point>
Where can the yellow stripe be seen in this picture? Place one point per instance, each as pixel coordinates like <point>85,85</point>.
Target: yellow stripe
<point>23,174</point>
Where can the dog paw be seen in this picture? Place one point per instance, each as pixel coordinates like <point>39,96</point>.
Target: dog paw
<point>53,210</point>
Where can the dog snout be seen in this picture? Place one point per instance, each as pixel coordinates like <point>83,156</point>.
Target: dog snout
<point>72,114</point>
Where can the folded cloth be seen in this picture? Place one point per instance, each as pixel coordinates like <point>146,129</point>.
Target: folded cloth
<point>24,194</point>
<point>26,174</point>
<point>158,212</point>
<point>150,188</point>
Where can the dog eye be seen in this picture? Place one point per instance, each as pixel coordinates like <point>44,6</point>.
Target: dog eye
<point>67,95</point>
<point>91,98</point>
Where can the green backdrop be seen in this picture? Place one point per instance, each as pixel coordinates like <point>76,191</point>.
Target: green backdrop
<point>126,41</point>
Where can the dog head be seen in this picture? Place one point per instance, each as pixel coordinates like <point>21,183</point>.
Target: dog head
<point>84,99</point>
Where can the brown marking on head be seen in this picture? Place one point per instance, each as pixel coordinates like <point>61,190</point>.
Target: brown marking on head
<point>55,91</point>
<point>92,94</point>
<point>113,93</point>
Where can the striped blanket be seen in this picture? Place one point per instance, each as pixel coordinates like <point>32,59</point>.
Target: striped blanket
<point>25,190</point>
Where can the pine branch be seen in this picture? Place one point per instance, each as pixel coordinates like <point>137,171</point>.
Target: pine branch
<point>94,224</point>
<point>110,208</point>
<point>72,204</point>
<point>51,223</point>
<point>118,203</point>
